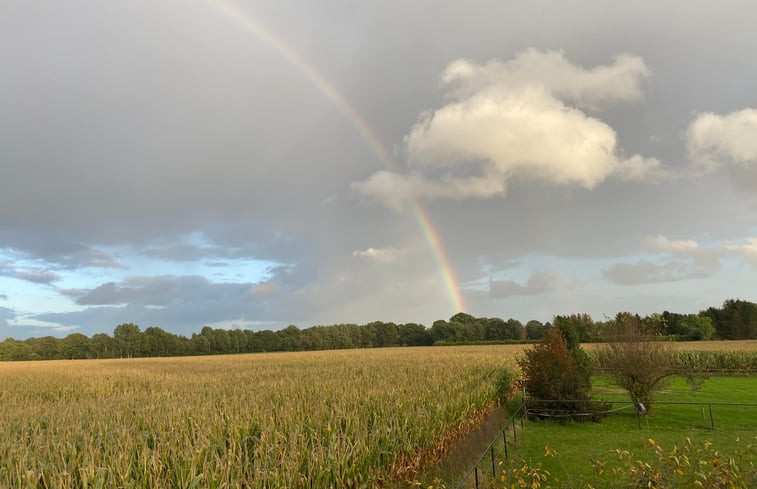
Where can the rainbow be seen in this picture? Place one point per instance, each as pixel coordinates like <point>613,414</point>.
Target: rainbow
<point>250,24</point>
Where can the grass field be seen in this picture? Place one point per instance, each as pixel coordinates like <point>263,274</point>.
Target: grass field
<point>576,446</point>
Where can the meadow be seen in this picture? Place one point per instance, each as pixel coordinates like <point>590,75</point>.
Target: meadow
<point>347,418</point>
<point>578,451</point>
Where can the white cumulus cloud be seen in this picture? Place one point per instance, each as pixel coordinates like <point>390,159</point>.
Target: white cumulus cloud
<point>550,70</point>
<point>715,140</point>
<point>524,118</point>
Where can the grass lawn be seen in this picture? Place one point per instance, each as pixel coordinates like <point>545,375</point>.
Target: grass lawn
<point>578,445</point>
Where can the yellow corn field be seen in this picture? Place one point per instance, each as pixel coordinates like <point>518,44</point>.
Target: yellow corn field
<point>357,418</point>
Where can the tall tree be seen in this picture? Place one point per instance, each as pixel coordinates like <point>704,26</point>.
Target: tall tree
<point>129,339</point>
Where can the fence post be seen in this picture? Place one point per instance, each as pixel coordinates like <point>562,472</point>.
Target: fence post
<point>712,420</point>
<point>494,473</point>
<point>504,437</point>
<point>515,435</point>
<point>523,414</point>
<point>475,475</point>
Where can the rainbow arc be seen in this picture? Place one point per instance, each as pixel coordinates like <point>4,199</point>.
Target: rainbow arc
<point>249,23</point>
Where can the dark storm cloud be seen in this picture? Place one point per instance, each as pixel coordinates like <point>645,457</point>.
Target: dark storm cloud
<point>178,304</point>
<point>156,291</point>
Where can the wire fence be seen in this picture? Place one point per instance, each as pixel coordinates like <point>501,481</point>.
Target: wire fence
<point>506,437</point>
<point>730,415</point>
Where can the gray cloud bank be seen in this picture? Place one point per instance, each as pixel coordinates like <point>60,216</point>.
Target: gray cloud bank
<point>142,144</point>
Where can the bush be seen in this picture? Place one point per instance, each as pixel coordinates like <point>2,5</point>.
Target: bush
<point>557,384</point>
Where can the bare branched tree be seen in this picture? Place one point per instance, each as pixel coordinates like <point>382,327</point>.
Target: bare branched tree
<point>637,360</point>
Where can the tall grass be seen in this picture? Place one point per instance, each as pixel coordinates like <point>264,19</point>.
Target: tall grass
<point>322,419</point>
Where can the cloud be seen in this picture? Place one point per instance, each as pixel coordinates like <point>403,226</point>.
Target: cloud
<point>705,258</point>
<point>646,272</point>
<point>263,290</point>
<point>538,283</point>
<point>515,119</point>
<point>30,274</point>
<point>3,297</point>
<point>378,255</point>
<point>748,250</point>
<point>589,88</point>
<point>661,243</point>
<point>155,291</point>
<point>716,140</point>
<point>6,314</point>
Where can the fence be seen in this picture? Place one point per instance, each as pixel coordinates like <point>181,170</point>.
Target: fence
<point>479,472</point>
<point>476,473</point>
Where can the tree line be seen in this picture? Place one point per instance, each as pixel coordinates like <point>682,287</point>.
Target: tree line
<point>736,319</point>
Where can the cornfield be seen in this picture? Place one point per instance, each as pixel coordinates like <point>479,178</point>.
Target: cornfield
<point>359,418</point>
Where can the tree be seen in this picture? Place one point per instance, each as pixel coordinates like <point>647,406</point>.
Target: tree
<point>76,345</point>
<point>411,334</point>
<point>697,327</point>
<point>554,381</point>
<point>570,329</point>
<point>638,362</point>
<point>129,339</point>
<point>441,330</point>
<point>104,346</point>
<point>535,330</point>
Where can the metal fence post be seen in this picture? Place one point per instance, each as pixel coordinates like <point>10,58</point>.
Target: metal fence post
<point>515,435</point>
<point>712,420</point>
<point>504,437</point>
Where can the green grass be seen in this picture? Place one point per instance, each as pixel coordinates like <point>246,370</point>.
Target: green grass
<point>578,445</point>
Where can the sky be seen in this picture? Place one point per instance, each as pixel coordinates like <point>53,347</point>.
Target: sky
<point>255,164</point>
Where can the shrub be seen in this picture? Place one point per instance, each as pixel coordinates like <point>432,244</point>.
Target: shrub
<point>556,384</point>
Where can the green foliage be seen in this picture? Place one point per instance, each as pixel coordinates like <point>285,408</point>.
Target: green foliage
<point>535,329</point>
<point>695,327</point>
<point>736,320</point>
